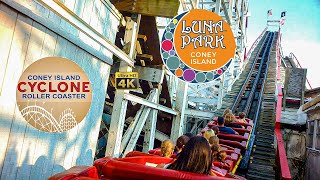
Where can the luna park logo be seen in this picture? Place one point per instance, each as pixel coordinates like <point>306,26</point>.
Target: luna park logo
<point>197,46</point>
<point>54,94</point>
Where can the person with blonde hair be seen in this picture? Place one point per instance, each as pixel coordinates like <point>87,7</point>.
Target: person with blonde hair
<point>229,119</point>
<point>208,134</point>
<point>214,140</point>
<point>167,148</point>
<point>226,112</point>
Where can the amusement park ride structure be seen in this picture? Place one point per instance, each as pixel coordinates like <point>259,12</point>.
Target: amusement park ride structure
<point>204,96</point>
<point>187,105</point>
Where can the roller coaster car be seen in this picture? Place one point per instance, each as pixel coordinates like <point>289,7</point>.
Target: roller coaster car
<point>241,131</point>
<point>249,121</point>
<point>132,168</point>
<point>135,168</point>
<point>231,158</point>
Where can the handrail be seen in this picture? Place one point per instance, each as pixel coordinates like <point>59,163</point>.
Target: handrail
<point>281,156</point>
<point>291,55</point>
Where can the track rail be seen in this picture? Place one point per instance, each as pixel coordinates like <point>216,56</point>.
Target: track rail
<point>249,100</point>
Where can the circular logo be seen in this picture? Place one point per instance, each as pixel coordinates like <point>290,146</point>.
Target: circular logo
<point>54,94</point>
<point>197,46</point>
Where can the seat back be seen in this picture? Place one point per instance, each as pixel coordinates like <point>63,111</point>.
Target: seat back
<point>114,168</point>
<point>88,172</point>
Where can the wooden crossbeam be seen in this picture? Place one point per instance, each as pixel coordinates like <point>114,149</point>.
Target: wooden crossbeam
<point>142,36</point>
<point>145,57</point>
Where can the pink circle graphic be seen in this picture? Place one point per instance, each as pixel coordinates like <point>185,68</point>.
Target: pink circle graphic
<point>167,45</point>
<point>219,71</point>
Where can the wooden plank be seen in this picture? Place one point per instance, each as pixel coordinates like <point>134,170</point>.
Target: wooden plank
<point>120,104</point>
<point>65,32</point>
<point>94,21</point>
<point>311,103</point>
<point>30,139</point>
<point>70,4</point>
<point>150,126</point>
<point>78,8</point>
<point>162,8</point>
<point>145,57</point>
<point>45,145</point>
<point>59,139</point>
<point>13,71</point>
<point>67,156</point>
<point>178,123</point>
<point>142,36</point>
<point>138,47</point>
<point>203,100</point>
<point>87,137</point>
<point>150,74</point>
<point>88,7</point>
<point>127,135</point>
<point>7,24</point>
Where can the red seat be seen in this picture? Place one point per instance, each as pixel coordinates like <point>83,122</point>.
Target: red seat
<point>77,172</point>
<point>232,157</point>
<point>138,153</point>
<point>235,144</point>
<point>115,168</point>
<point>228,164</point>
<point>158,152</point>
<point>214,122</point>
<point>219,172</point>
<point>233,137</point>
<point>242,130</point>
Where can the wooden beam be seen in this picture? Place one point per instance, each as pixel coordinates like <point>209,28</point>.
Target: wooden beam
<point>161,8</point>
<point>161,136</point>
<point>199,114</point>
<point>218,6</point>
<point>149,103</point>
<point>138,48</point>
<point>313,102</point>
<point>142,36</point>
<point>150,126</point>
<point>203,100</point>
<point>61,10</point>
<point>140,123</point>
<point>145,57</point>
<point>120,103</point>
<point>178,123</point>
<point>150,74</point>
<point>128,134</point>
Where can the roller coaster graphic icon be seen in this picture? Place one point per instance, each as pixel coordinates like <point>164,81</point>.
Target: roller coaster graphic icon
<point>44,120</point>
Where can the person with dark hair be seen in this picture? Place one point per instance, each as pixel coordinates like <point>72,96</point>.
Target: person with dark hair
<point>195,157</point>
<point>215,129</point>
<point>190,135</point>
<point>223,129</point>
<point>242,117</point>
<point>181,142</point>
